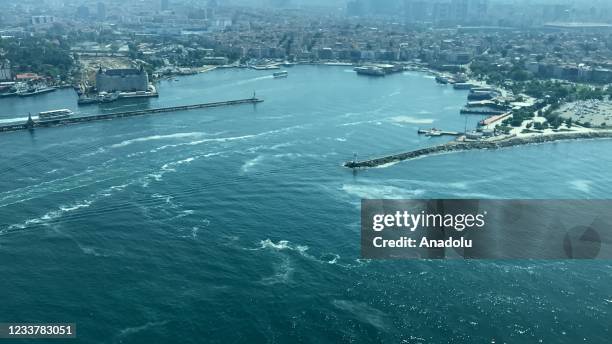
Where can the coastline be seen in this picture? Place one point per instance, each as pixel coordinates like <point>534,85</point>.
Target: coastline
<point>458,146</point>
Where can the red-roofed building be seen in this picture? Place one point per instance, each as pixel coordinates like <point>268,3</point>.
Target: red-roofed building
<point>27,77</point>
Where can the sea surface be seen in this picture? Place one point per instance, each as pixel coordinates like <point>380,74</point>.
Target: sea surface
<point>238,224</point>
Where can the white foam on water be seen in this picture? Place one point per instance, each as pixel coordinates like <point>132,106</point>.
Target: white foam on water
<point>302,155</point>
<point>334,260</point>
<point>411,120</point>
<point>100,150</point>
<point>250,164</point>
<point>227,139</point>
<point>133,330</point>
<point>282,245</point>
<point>282,274</point>
<point>65,209</point>
<point>380,191</point>
<point>363,312</point>
<point>389,164</point>
<point>194,232</point>
<point>92,251</point>
<point>351,124</point>
<point>50,215</point>
<point>473,195</point>
<point>248,81</point>
<point>172,167</point>
<point>157,138</point>
<point>78,205</point>
<point>581,185</point>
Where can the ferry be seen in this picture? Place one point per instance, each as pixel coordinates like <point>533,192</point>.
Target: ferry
<point>370,70</point>
<point>54,114</point>
<point>282,74</point>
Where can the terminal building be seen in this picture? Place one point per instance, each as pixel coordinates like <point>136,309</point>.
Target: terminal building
<point>122,80</point>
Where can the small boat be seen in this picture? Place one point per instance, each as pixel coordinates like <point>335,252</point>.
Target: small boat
<point>54,115</point>
<point>282,74</point>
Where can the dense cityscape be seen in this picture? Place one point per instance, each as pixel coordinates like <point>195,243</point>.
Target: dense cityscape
<point>228,171</point>
<point>552,51</point>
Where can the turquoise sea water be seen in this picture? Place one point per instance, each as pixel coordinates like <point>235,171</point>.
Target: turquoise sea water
<point>239,224</point>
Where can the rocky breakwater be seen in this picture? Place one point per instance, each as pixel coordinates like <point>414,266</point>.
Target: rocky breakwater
<point>456,146</point>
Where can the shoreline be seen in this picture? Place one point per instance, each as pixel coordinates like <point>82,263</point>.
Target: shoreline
<point>456,146</point>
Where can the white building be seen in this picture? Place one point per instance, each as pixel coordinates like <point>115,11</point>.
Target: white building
<point>42,20</point>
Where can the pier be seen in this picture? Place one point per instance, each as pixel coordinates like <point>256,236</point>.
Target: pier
<point>30,124</point>
<point>456,146</point>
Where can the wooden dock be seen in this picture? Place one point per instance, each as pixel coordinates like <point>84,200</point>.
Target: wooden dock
<point>102,117</point>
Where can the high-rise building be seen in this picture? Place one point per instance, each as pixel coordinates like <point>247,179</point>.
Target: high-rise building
<point>441,12</point>
<point>83,12</point>
<point>459,10</point>
<point>477,10</point>
<point>416,10</point>
<point>101,10</point>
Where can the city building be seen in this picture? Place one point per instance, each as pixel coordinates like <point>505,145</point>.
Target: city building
<point>122,80</point>
<point>101,11</point>
<point>6,74</point>
<point>82,12</point>
<point>42,20</point>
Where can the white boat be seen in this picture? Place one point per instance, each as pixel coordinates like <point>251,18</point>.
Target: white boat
<point>370,71</point>
<point>282,74</point>
<point>54,114</point>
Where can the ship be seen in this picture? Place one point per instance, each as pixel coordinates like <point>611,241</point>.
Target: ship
<point>370,71</point>
<point>463,86</point>
<point>103,97</point>
<point>54,115</point>
<point>282,74</point>
<point>83,100</point>
<point>441,79</point>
